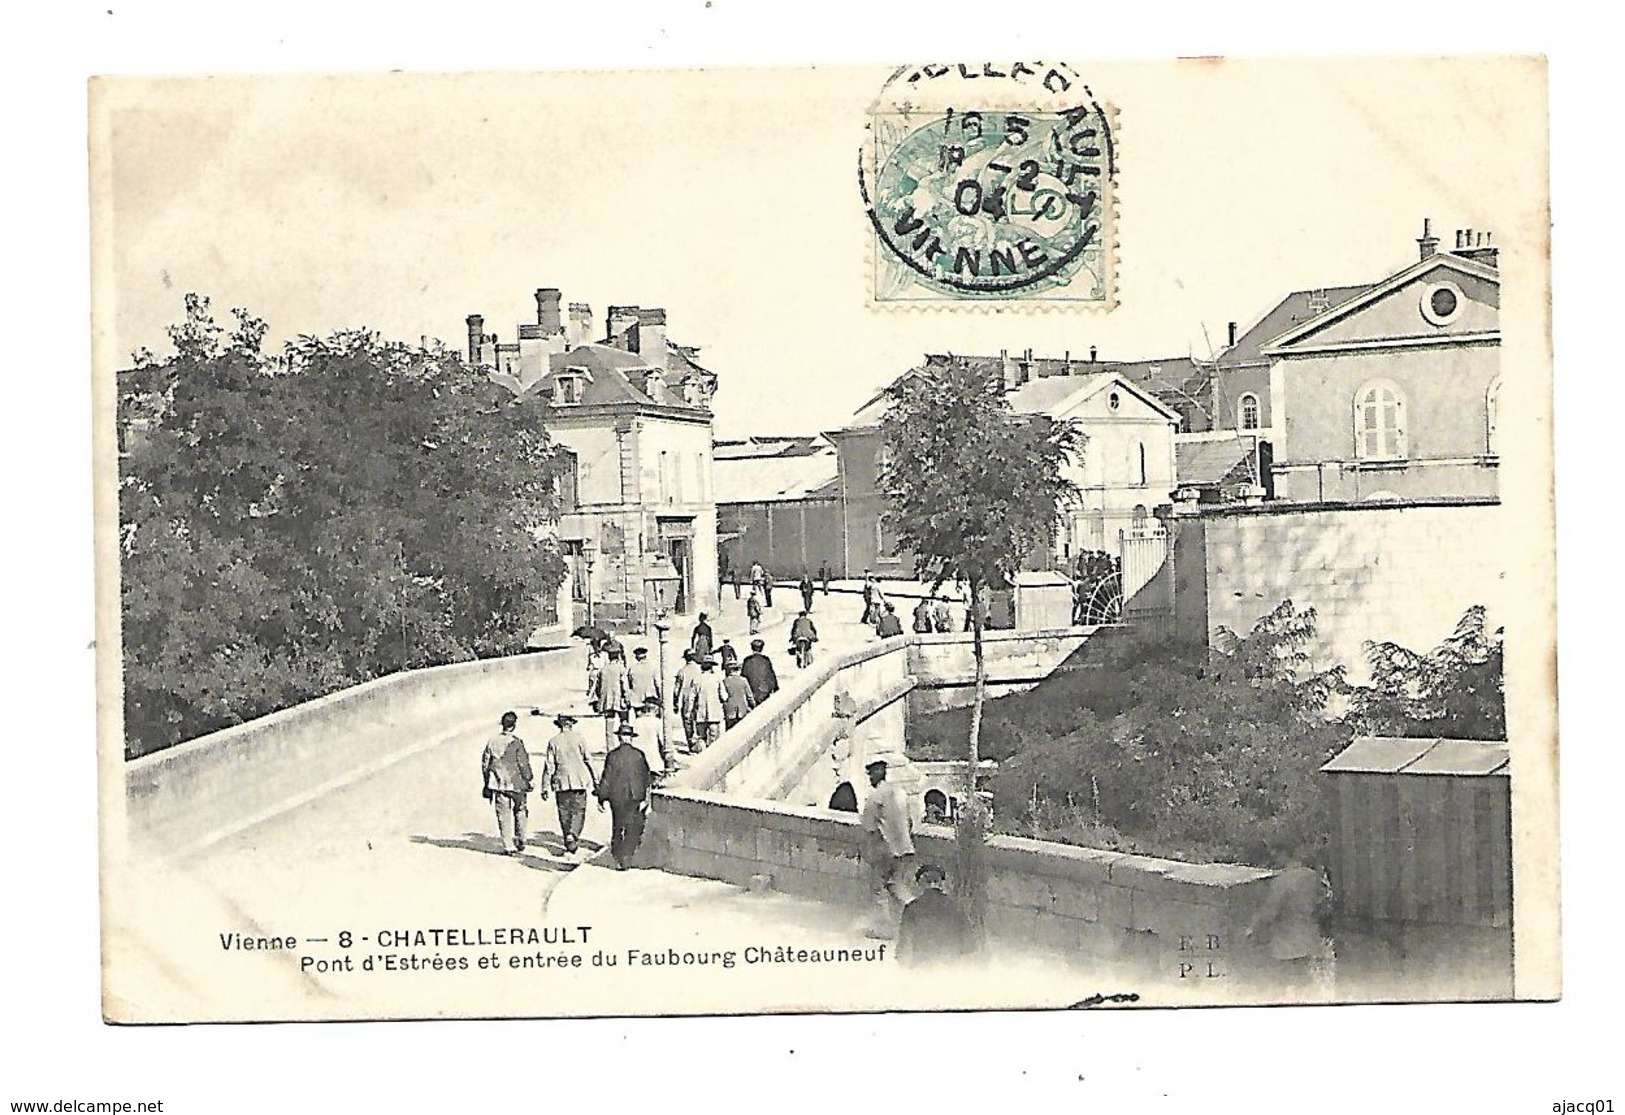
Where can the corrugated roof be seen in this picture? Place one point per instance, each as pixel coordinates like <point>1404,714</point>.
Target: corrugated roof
<point>1400,755</point>
<point>1291,311</point>
<point>1214,463</point>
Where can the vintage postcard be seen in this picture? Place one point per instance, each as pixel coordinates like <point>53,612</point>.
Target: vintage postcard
<point>980,534</point>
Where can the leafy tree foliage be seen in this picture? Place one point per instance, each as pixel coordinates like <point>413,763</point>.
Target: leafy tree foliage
<point>1454,691</point>
<point>974,489</point>
<point>294,524</point>
<point>1213,753</point>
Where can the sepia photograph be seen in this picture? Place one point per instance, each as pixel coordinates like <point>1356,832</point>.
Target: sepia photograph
<point>949,536</point>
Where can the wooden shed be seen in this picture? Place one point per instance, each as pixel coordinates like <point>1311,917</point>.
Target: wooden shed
<point>1422,832</point>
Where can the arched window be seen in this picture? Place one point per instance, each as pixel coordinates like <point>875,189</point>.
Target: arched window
<point>1142,517</point>
<point>1492,402</point>
<point>1247,412</point>
<point>1379,422</point>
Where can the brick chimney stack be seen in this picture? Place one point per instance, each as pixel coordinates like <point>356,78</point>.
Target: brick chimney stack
<point>1231,330</point>
<point>547,310</point>
<point>1479,247</point>
<point>1429,243</point>
<point>651,337</point>
<point>476,337</point>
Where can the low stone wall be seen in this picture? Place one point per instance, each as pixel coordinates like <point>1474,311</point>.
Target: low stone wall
<point>944,666</point>
<point>180,795</point>
<point>1082,902</point>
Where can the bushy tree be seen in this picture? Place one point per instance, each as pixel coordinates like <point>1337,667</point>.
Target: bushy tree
<point>297,523</point>
<point>1211,752</point>
<point>973,488</point>
<point>1454,691</point>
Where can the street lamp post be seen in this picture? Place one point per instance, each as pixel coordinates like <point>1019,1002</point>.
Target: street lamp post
<point>587,550</point>
<point>660,635</point>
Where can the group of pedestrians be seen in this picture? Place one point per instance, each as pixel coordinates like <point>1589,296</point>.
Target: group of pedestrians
<point>910,900</point>
<point>568,777</point>
<point>709,703</point>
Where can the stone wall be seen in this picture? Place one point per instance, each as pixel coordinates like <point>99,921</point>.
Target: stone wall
<point>229,778</point>
<point>1085,903</point>
<point>1401,572</point>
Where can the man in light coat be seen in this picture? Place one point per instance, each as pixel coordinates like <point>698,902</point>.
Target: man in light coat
<point>708,699</point>
<point>887,850</point>
<point>505,769</point>
<point>684,687</point>
<point>567,774</point>
<point>737,698</point>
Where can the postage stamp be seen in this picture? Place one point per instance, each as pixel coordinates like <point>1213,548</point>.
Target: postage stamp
<point>990,182</point>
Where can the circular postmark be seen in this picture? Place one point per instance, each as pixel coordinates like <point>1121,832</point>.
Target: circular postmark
<point>989,181</point>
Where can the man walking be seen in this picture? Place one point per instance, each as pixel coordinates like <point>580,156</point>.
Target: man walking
<point>869,591</point>
<point>758,672</point>
<point>625,789</point>
<point>737,698</point>
<point>806,587</point>
<point>643,682</point>
<point>707,705</point>
<point>823,575</point>
<point>727,654</point>
<point>685,686</point>
<point>888,849</point>
<point>505,770</point>
<point>614,697</point>
<point>567,773</point>
<point>753,610</point>
<point>767,589</point>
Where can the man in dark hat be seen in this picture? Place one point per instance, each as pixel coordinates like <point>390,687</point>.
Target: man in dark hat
<point>567,773</point>
<point>624,787</point>
<point>887,850</point>
<point>758,671</point>
<point>644,681</point>
<point>934,930</point>
<point>505,769</point>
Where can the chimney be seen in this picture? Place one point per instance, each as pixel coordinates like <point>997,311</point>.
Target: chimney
<point>1231,330</point>
<point>621,328</point>
<point>578,327</point>
<point>476,337</point>
<point>1024,370</point>
<point>1481,249</point>
<point>1091,354</point>
<point>652,337</point>
<point>1427,245</point>
<point>1066,363</point>
<point>547,309</point>
<point>1007,370</point>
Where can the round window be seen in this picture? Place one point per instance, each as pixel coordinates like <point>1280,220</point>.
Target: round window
<point>1114,400</point>
<point>1442,303</point>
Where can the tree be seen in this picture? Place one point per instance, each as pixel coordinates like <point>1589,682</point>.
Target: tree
<point>299,523</point>
<point>974,489</point>
<point>1455,691</point>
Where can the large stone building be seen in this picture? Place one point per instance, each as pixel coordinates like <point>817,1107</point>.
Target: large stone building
<point>1125,473</point>
<point>639,521</point>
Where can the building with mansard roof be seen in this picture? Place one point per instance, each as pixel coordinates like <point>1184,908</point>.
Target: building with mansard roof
<point>633,408</point>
